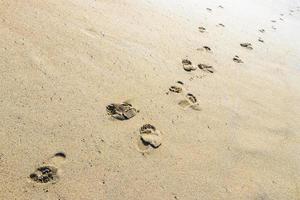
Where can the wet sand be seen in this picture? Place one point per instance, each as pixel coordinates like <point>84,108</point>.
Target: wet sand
<point>149,99</point>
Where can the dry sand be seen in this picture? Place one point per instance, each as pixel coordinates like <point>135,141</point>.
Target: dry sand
<point>63,62</point>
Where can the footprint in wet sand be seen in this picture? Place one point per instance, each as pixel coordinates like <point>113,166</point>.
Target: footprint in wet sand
<point>206,68</point>
<point>121,111</point>
<point>237,59</point>
<point>262,30</point>
<point>247,45</point>
<point>48,172</point>
<point>201,29</point>
<point>150,138</point>
<point>188,66</point>
<point>190,101</point>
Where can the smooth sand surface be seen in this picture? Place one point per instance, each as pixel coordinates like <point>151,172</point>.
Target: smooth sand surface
<point>63,62</point>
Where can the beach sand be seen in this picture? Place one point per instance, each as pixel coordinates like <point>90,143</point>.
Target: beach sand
<point>231,132</point>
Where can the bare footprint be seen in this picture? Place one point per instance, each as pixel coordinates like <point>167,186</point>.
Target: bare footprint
<point>201,29</point>
<point>261,40</point>
<point>190,101</point>
<point>262,30</point>
<point>188,66</point>
<point>206,68</point>
<point>121,111</point>
<point>150,138</point>
<point>48,172</point>
<point>205,48</point>
<point>237,59</point>
<point>177,88</point>
<point>247,45</point>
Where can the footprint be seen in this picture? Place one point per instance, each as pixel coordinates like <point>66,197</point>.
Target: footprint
<point>48,173</point>
<point>261,40</point>
<point>187,65</point>
<point>237,59</point>
<point>190,101</point>
<point>206,68</point>
<point>175,89</point>
<point>209,9</point>
<point>201,29</point>
<point>262,30</point>
<point>247,45</point>
<point>281,19</point>
<point>220,24</point>
<point>273,21</point>
<point>220,6</point>
<point>205,48</point>
<point>178,88</point>
<point>150,138</point>
<point>121,111</point>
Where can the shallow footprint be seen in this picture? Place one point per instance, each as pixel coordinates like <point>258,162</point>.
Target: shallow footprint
<point>48,173</point>
<point>206,68</point>
<point>121,111</point>
<point>187,65</point>
<point>237,59</point>
<point>247,45</point>
<point>150,138</point>
<point>190,101</point>
<point>262,30</point>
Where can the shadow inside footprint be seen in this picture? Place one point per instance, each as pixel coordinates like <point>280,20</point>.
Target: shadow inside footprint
<point>45,174</point>
<point>121,111</point>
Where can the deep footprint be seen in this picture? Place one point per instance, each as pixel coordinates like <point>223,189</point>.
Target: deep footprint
<point>123,111</point>
<point>150,138</point>
<point>206,68</point>
<point>187,65</point>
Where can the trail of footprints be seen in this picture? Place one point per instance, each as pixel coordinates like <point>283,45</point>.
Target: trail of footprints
<point>150,137</point>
